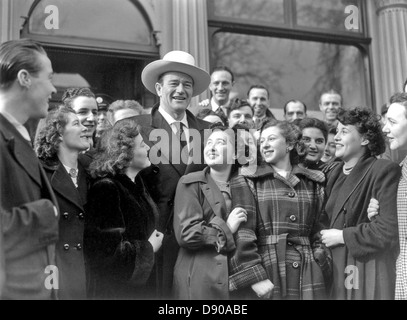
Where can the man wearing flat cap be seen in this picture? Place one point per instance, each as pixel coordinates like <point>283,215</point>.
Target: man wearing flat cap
<point>175,138</point>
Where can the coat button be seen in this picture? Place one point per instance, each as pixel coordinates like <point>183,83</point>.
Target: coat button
<point>291,194</point>
<point>81,216</point>
<point>66,215</point>
<point>78,247</point>
<point>66,247</point>
<point>293,218</point>
<point>156,170</point>
<point>296,265</point>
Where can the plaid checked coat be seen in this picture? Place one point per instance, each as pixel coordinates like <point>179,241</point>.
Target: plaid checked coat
<point>401,267</point>
<point>278,241</point>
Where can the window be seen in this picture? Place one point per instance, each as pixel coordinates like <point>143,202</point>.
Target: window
<point>122,25</point>
<point>292,69</point>
<point>327,16</point>
<point>297,48</point>
<point>258,10</point>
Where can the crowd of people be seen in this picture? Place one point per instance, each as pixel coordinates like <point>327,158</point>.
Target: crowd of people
<point>113,202</point>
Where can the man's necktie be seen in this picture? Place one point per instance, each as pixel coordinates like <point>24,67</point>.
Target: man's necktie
<point>220,113</point>
<point>181,134</point>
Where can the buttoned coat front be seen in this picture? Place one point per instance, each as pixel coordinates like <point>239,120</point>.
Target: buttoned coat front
<point>69,248</point>
<point>201,271</point>
<point>28,224</point>
<point>280,240</point>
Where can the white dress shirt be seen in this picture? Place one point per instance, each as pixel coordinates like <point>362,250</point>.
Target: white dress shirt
<point>171,121</point>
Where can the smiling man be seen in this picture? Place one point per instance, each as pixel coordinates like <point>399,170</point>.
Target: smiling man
<point>175,80</point>
<point>259,98</point>
<point>83,101</point>
<point>222,81</point>
<point>329,104</point>
<point>28,207</point>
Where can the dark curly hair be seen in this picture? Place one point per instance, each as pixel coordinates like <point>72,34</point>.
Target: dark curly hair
<point>49,136</point>
<point>117,152</point>
<point>242,150</point>
<point>293,136</point>
<point>368,124</point>
<point>314,123</point>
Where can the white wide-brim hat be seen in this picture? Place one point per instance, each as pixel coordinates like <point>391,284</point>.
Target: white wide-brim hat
<point>176,61</point>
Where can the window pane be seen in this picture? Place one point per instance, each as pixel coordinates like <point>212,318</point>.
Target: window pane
<point>259,10</point>
<point>118,21</point>
<point>292,69</point>
<point>329,14</point>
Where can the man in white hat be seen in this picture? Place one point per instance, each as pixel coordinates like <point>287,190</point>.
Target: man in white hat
<point>175,79</point>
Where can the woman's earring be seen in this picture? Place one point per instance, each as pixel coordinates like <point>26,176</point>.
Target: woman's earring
<point>288,150</point>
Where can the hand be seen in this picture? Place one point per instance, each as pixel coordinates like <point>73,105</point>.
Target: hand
<point>263,289</point>
<point>373,209</point>
<point>236,217</point>
<point>204,103</point>
<point>156,240</point>
<point>332,237</point>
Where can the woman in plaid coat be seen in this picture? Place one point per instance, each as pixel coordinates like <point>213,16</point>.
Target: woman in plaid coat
<point>279,254</point>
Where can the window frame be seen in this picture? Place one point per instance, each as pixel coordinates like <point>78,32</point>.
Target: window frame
<point>96,45</point>
<point>291,31</point>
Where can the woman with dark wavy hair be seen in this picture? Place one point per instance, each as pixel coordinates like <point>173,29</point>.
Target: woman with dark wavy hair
<point>279,254</point>
<point>120,234</point>
<point>364,252</point>
<point>60,139</point>
<point>204,223</point>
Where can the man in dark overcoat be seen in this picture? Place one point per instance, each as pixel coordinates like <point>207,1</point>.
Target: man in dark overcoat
<point>29,214</point>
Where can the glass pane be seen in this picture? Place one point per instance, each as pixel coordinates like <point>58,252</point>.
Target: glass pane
<point>93,19</point>
<point>340,15</point>
<point>258,10</point>
<point>292,69</point>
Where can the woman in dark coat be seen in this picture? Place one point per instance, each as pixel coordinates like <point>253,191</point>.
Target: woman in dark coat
<point>58,145</point>
<point>279,254</point>
<point>204,222</point>
<point>120,235</point>
<point>364,252</point>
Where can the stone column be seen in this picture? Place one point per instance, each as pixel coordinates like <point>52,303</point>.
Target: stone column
<point>185,27</point>
<point>5,20</point>
<point>392,36</point>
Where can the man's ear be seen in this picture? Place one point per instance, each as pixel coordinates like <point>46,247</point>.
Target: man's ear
<point>24,78</point>
<point>158,89</point>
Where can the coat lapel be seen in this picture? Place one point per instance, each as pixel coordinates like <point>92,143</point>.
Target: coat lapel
<point>22,150</point>
<point>63,185</point>
<point>214,197</point>
<point>354,178</point>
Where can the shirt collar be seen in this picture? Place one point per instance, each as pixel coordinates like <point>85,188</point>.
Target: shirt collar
<point>171,120</point>
<point>215,106</point>
<point>20,128</point>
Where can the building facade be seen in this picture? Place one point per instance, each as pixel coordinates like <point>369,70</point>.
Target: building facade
<point>298,48</point>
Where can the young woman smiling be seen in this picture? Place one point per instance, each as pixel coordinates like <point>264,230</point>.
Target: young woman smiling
<point>204,223</point>
<point>279,254</point>
<point>364,252</point>
<point>58,145</point>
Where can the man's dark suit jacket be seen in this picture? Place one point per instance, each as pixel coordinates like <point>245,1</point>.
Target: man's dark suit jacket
<point>162,179</point>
